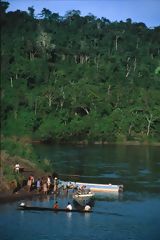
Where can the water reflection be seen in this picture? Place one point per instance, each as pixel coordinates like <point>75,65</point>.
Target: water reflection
<point>69,216</point>
<point>109,196</point>
<point>127,165</point>
<point>87,217</point>
<point>109,212</point>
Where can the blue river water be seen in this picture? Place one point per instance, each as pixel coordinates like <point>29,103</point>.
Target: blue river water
<point>133,214</point>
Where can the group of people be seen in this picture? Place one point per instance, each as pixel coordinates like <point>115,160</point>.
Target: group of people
<point>44,184</point>
<point>69,206</point>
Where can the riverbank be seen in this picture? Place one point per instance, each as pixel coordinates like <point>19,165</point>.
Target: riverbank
<point>13,185</point>
<point>9,181</point>
<point>86,142</point>
<point>29,140</point>
<point>126,143</point>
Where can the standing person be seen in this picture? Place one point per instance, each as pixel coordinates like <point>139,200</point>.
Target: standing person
<point>55,206</point>
<point>29,184</point>
<point>69,206</point>
<point>44,187</point>
<point>17,167</point>
<point>38,185</point>
<point>55,188</point>
<point>32,182</point>
<point>49,182</point>
<point>32,178</point>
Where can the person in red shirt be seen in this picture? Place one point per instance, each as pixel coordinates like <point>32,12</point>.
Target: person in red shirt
<point>55,206</point>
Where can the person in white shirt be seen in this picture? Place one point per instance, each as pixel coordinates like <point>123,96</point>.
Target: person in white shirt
<point>49,182</point>
<point>69,206</point>
<point>55,188</point>
<point>17,167</point>
<point>87,208</point>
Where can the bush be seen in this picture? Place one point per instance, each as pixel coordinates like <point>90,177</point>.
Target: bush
<point>8,173</point>
<point>15,148</point>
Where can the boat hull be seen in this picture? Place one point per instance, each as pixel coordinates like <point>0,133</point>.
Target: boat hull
<point>51,209</point>
<point>98,187</point>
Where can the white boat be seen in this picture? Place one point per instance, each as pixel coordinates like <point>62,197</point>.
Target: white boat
<point>95,187</point>
<point>83,197</point>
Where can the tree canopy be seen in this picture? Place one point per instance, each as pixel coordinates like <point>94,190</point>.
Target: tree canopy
<point>78,78</point>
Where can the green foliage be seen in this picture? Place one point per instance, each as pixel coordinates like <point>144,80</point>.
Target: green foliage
<point>19,124</point>
<point>157,71</point>
<point>8,173</point>
<point>15,148</point>
<point>100,84</point>
<point>51,128</point>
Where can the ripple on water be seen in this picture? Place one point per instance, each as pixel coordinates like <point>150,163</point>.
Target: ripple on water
<point>144,171</point>
<point>110,175</point>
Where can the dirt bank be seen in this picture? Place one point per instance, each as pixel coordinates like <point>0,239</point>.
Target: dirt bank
<point>12,185</point>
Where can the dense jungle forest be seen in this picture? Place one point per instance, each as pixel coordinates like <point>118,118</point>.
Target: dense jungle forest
<point>78,78</point>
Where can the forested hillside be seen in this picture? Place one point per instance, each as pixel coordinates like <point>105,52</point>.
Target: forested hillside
<point>75,78</point>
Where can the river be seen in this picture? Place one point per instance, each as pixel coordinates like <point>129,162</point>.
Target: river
<point>134,214</point>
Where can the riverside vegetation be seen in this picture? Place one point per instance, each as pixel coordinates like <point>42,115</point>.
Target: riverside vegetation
<point>79,78</point>
<point>20,151</point>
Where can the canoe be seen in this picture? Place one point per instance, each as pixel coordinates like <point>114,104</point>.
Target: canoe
<point>95,187</point>
<point>33,208</point>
